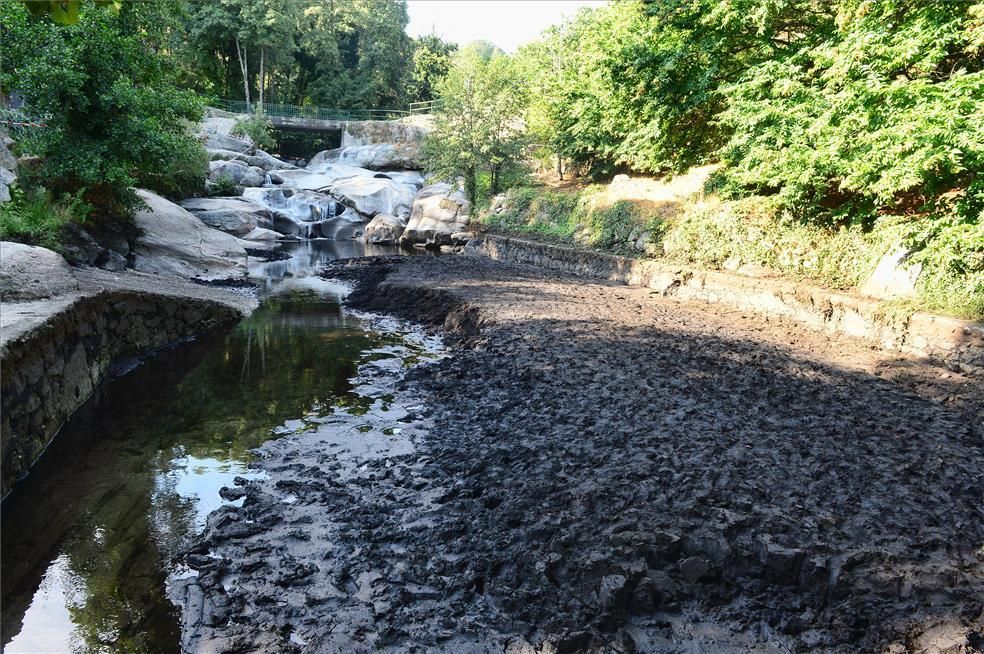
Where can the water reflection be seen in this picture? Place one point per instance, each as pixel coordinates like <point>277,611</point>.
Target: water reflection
<point>89,536</point>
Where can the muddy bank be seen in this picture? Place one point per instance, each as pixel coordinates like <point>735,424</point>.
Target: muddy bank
<point>595,469</point>
<point>56,350</point>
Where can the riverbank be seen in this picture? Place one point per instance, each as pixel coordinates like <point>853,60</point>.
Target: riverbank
<point>60,342</point>
<point>595,467</point>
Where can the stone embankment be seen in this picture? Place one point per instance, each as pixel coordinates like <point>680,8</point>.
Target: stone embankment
<point>959,344</point>
<point>63,329</point>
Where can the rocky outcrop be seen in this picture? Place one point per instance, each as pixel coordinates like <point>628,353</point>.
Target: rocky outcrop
<point>385,228</point>
<point>261,159</point>
<point>56,350</point>
<point>237,172</point>
<point>369,132</point>
<point>439,210</point>
<point>174,242</point>
<point>33,273</point>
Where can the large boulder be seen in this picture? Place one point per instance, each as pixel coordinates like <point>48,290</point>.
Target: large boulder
<point>214,133</point>
<point>174,242</point>
<point>33,273</point>
<point>264,235</point>
<point>894,276</point>
<point>231,215</point>
<point>267,161</point>
<point>439,210</point>
<point>385,228</point>
<point>7,178</point>
<point>237,171</point>
<point>372,195</point>
<point>346,226</point>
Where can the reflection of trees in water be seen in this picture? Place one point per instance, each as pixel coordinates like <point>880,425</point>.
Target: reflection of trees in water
<point>101,494</point>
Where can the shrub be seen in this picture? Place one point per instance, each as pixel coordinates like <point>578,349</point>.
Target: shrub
<point>35,217</point>
<point>257,129</point>
<point>113,114</point>
<point>225,185</point>
<point>182,175</point>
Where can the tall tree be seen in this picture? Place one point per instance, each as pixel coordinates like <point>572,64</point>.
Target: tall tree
<point>431,61</point>
<point>478,128</point>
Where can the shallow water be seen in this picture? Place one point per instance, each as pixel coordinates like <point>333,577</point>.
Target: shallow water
<point>90,537</point>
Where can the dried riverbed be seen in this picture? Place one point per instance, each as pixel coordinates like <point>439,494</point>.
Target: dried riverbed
<point>598,469</point>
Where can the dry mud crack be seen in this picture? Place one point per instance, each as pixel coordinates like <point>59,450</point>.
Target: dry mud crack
<point>595,469</point>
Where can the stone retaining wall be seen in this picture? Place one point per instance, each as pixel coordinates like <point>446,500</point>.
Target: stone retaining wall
<point>959,344</point>
<point>50,369</point>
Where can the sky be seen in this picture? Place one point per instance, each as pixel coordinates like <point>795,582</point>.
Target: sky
<point>507,23</point>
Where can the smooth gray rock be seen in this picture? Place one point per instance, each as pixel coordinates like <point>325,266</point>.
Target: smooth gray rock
<point>261,159</point>
<point>385,228</point>
<point>7,178</point>
<point>33,273</point>
<point>231,215</point>
<point>372,195</point>
<point>348,225</point>
<point>220,141</point>
<point>173,241</point>
<point>263,234</point>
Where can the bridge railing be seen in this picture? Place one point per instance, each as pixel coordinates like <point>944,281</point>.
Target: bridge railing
<point>425,107</point>
<point>325,113</point>
<point>307,111</point>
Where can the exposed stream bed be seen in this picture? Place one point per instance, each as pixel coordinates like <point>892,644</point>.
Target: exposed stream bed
<point>92,538</point>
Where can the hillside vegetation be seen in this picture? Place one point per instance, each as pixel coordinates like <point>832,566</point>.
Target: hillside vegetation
<point>841,131</point>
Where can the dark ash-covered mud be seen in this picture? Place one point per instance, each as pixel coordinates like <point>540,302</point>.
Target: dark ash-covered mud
<point>596,469</point>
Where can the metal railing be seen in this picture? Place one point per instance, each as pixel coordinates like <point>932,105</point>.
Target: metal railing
<point>324,113</point>
<point>19,124</point>
<point>425,107</point>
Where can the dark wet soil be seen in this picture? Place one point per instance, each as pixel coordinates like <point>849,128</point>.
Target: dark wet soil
<point>597,469</point>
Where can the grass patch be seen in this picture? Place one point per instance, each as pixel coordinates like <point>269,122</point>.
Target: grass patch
<point>36,218</point>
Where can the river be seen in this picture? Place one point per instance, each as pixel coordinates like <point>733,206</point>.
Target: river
<point>91,537</point>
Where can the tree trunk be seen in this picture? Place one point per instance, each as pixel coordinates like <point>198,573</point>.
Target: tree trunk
<point>471,186</point>
<point>560,167</point>
<point>494,187</point>
<point>244,69</point>
<point>262,76</point>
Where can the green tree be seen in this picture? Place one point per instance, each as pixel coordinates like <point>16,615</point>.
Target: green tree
<point>114,117</point>
<point>478,128</point>
<point>431,60</point>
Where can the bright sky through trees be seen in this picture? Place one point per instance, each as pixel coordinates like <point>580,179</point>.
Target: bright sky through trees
<point>507,23</point>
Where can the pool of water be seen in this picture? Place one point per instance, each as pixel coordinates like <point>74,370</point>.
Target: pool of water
<point>90,537</point>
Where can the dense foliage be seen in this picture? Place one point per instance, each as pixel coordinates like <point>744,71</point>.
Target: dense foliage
<point>114,117</point>
<point>843,109</point>
<point>343,54</point>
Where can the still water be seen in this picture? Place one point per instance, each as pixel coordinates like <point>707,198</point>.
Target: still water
<point>90,537</point>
